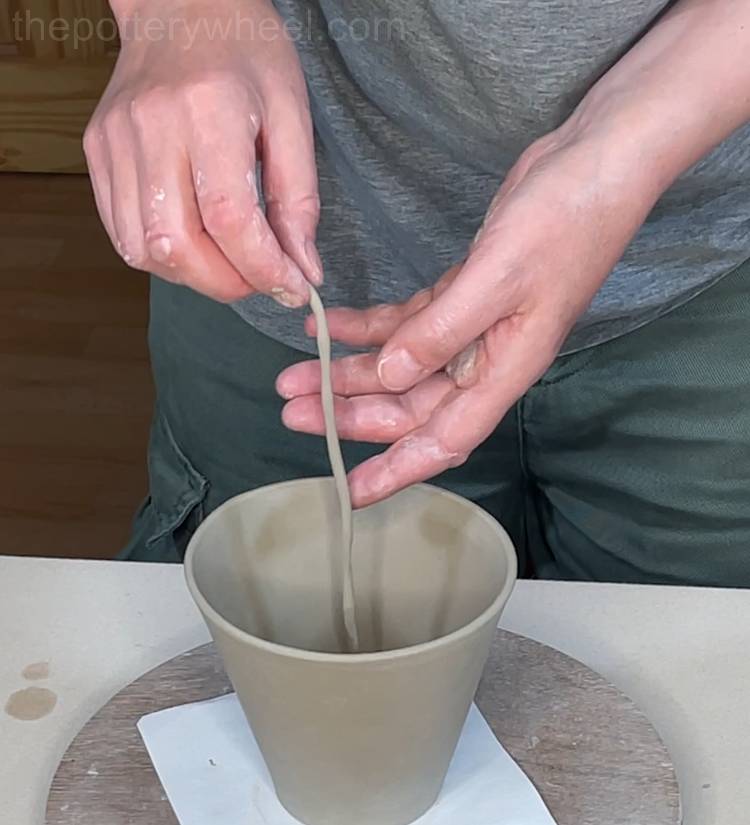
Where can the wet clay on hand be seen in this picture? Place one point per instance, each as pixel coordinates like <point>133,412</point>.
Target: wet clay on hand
<point>338,468</point>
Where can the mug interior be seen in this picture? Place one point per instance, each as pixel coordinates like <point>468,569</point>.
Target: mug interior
<point>426,563</point>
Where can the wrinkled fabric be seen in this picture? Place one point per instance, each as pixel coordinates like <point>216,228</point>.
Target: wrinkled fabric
<point>422,106</point>
<point>628,462</point>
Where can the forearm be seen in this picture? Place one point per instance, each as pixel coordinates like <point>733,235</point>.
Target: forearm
<point>680,91</point>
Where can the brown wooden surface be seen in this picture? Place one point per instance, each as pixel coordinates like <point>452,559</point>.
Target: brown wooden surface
<point>56,57</point>
<point>592,755</point>
<point>75,379</point>
<point>44,110</point>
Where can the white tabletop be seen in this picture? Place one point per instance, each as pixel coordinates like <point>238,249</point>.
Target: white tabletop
<point>682,654</point>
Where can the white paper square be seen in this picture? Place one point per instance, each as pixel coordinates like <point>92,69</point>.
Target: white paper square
<point>212,771</point>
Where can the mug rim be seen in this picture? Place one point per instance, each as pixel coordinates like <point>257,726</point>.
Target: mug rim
<point>209,612</point>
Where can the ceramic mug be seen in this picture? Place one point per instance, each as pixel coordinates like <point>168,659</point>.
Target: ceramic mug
<point>365,738</point>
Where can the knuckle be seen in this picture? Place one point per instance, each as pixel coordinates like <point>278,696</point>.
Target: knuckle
<point>383,316</point>
<point>148,106</point>
<point>352,372</point>
<point>212,87</point>
<point>182,246</point>
<point>91,139</point>
<point>113,123</point>
<point>308,205</point>
<point>220,214</point>
<point>271,268</point>
<point>160,248</point>
<point>166,245</point>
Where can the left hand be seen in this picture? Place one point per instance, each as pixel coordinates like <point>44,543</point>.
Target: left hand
<point>455,358</point>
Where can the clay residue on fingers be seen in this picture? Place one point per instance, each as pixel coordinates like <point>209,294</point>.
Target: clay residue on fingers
<point>287,299</point>
<point>464,368</point>
<point>412,458</point>
<point>160,248</point>
<point>200,182</point>
<point>428,448</point>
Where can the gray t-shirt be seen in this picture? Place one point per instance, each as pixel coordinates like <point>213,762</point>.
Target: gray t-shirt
<point>422,106</point>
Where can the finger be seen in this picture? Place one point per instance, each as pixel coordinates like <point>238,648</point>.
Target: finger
<point>511,363</point>
<point>353,375</point>
<point>374,326</point>
<point>125,194</point>
<point>477,298</point>
<point>222,155</point>
<point>290,181</point>
<point>444,441</point>
<point>358,375</point>
<point>94,150</point>
<point>370,327</point>
<point>456,427</point>
<point>377,419</point>
<point>178,248</point>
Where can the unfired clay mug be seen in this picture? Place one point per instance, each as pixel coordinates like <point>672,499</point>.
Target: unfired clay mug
<point>353,739</point>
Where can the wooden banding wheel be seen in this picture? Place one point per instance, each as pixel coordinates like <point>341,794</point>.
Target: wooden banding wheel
<point>593,756</point>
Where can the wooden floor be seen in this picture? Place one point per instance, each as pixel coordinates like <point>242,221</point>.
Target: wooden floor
<point>75,391</point>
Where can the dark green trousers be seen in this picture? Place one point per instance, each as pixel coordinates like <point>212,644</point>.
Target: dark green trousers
<point>627,462</point>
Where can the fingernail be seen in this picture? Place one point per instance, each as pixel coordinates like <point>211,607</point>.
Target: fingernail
<point>283,389</point>
<point>314,262</point>
<point>291,418</point>
<point>399,370</point>
<point>287,299</point>
<point>296,293</point>
<point>286,417</point>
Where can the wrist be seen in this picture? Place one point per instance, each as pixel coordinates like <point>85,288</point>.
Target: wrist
<point>634,138</point>
<point>610,158</point>
<point>677,94</point>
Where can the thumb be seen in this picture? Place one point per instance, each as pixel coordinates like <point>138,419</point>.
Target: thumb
<point>475,300</point>
<point>290,184</point>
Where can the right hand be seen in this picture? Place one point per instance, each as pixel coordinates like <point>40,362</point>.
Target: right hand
<point>173,145</point>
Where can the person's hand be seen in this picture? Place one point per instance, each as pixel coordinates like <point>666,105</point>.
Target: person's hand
<point>453,360</point>
<point>173,145</point>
